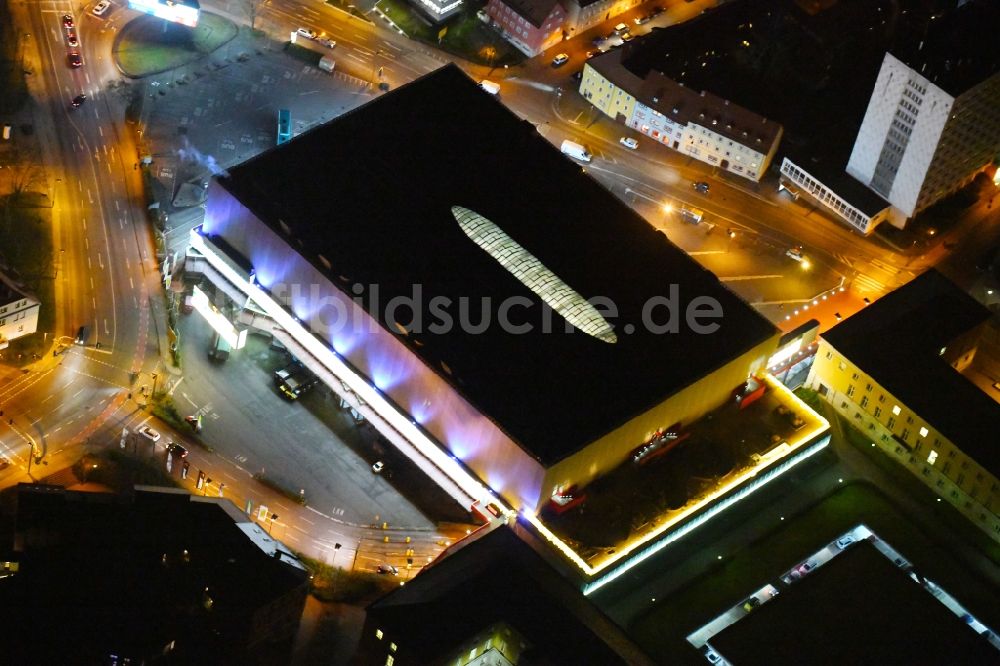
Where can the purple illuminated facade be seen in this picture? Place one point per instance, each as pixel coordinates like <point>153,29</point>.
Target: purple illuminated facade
<point>331,313</point>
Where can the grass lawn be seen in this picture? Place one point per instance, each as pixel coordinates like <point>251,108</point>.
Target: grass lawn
<point>26,247</point>
<point>944,510</point>
<point>144,48</point>
<point>663,628</point>
<point>467,36</point>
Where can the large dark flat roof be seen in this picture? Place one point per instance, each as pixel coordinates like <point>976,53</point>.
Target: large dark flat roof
<point>373,191</point>
<point>859,608</point>
<point>500,578</point>
<point>898,339</point>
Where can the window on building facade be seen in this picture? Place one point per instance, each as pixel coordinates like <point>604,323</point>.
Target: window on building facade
<point>864,401</point>
<point>890,423</point>
<point>878,412</point>
<point>850,391</point>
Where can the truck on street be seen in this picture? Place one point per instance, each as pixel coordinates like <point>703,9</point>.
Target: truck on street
<point>576,151</point>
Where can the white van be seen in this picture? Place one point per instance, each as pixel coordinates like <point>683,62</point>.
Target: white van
<point>490,87</point>
<point>576,151</point>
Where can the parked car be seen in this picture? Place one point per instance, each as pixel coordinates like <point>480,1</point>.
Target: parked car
<point>629,142</point>
<point>149,434</point>
<point>74,60</point>
<point>701,186</point>
<point>307,33</point>
<point>560,60</point>
<point>177,450</point>
<point>751,603</point>
<point>67,21</point>
<point>100,8</point>
<point>378,467</point>
<point>712,656</point>
<point>387,569</point>
<point>640,20</point>
<point>627,36</point>
<point>845,541</point>
<point>621,28</point>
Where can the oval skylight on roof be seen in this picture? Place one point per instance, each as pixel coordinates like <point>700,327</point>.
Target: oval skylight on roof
<point>533,274</point>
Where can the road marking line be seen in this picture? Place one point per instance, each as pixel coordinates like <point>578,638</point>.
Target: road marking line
<point>737,278</point>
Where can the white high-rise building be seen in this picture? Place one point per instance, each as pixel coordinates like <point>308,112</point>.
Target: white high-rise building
<point>933,120</point>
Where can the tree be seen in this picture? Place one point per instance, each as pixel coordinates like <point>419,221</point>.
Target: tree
<point>252,9</point>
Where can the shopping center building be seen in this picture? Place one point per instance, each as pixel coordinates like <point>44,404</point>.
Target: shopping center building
<point>387,252</point>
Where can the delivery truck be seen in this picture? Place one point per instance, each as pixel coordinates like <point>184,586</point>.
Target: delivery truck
<point>576,151</point>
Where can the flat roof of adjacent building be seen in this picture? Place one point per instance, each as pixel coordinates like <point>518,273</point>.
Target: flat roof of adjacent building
<point>130,571</point>
<point>959,50</point>
<point>898,341</point>
<point>375,193</point>
<point>497,577</point>
<point>858,608</point>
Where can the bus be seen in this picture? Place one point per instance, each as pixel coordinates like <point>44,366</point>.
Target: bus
<point>284,126</point>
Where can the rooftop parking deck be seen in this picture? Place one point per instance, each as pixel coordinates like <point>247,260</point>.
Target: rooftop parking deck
<point>636,503</point>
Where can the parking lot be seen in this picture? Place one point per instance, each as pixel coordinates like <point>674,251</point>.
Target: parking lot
<point>309,445</point>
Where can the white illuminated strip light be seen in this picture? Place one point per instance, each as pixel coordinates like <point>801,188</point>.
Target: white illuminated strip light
<point>440,10</point>
<point>357,384</point>
<point>674,529</point>
<point>684,529</point>
<point>219,323</point>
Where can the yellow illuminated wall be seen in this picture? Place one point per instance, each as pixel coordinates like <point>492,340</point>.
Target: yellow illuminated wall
<point>606,96</point>
<point>906,437</point>
<point>685,406</point>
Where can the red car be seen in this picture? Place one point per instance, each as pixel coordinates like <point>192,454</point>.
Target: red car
<point>74,60</point>
<point>566,500</point>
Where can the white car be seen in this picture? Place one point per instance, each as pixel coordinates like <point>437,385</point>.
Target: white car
<point>629,142</point>
<point>560,60</point>
<point>387,569</point>
<point>844,542</point>
<point>328,43</point>
<point>100,8</point>
<point>149,434</point>
<point>307,33</point>
<point>378,467</point>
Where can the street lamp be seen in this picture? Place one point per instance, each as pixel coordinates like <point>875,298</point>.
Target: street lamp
<point>274,517</point>
<point>378,52</point>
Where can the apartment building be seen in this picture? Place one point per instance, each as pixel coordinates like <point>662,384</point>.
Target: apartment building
<point>895,371</point>
<point>530,25</point>
<point>933,120</point>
